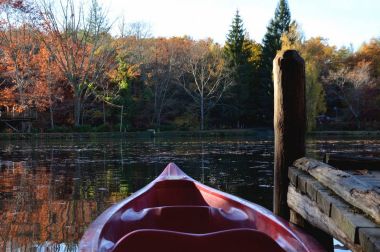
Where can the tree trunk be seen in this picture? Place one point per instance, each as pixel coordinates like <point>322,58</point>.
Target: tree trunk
<point>158,121</point>
<point>51,116</point>
<point>121,118</point>
<point>202,113</point>
<point>104,113</point>
<point>77,111</point>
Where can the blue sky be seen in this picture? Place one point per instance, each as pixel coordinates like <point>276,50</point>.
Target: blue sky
<point>342,22</point>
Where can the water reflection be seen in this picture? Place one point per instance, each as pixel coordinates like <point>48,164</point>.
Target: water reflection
<point>51,190</point>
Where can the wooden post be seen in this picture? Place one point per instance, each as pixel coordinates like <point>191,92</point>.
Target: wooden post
<point>289,122</point>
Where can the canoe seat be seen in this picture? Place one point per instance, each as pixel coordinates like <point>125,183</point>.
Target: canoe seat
<point>236,240</point>
<point>188,219</point>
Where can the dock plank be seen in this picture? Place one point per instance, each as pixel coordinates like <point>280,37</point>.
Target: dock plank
<point>328,211</point>
<point>365,196</point>
<point>309,210</point>
<point>370,239</point>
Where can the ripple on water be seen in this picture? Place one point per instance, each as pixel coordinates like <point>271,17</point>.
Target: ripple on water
<point>51,190</point>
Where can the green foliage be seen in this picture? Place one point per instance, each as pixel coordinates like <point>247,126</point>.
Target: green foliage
<point>315,94</point>
<point>147,94</point>
<point>103,128</point>
<point>242,61</point>
<point>233,48</point>
<point>314,68</point>
<point>83,128</point>
<point>186,121</point>
<point>271,44</point>
<point>123,73</point>
<point>136,78</point>
<point>123,85</point>
<point>59,129</point>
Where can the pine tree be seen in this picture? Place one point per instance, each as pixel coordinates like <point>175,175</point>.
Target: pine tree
<point>237,53</point>
<point>271,44</point>
<point>234,45</point>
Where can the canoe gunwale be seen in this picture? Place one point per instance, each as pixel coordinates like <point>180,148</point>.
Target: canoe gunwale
<point>92,238</point>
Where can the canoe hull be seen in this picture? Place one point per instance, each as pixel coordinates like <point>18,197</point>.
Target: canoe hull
<point>178,204</point>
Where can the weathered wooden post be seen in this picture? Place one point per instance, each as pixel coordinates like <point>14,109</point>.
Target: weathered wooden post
<point>289,122</point>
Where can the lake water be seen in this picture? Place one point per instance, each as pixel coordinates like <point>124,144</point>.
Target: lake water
<point>51,190</point>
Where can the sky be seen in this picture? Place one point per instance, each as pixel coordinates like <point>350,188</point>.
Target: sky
<point>342,22</point>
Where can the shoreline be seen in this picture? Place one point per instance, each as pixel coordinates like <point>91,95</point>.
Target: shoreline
<point>137,134</point>
<point>170,134</point>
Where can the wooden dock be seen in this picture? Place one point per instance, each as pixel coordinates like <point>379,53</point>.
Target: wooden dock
<point>340,200</point>
<point>344,204</point>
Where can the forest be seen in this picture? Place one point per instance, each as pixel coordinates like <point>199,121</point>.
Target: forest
<point>62,69</point>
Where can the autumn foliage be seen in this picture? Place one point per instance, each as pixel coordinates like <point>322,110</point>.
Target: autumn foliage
<point>75,73</point>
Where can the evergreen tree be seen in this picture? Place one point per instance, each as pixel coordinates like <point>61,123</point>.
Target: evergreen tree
<point>271,44</point>
<point>237,53</point>
<point>234,45</point>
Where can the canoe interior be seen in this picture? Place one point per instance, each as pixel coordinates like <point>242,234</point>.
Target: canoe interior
<point>175,209</point>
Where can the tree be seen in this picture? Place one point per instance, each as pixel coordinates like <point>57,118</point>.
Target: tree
<point>293,38</point>
<point>370,52</point>
<point>204,78</point>
<point>311,51</point>
<point>8,98</point>
<point>241,61</point>
<point>48,89</point>
<point>233,48</point>
<point>134,41</point>
<point>163,72</point>
<point>77,40</point>
<point>29,69</point>
<point>119,95</point>
<point>349,85</point>
<point>11,42</point>
<point>20,54</point>
<point>315,95</point>
<point>18,47</point>
<point>23,6</point>
<point>271,44</point>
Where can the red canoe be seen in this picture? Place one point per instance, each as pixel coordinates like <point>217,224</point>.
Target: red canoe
<point>177,213</point>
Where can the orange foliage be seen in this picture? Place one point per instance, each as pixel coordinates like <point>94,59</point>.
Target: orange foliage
<point>29,73</point>
<point>8,98</point>
<point>370,52</point>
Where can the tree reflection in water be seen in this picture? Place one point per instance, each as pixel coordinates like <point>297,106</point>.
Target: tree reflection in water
<point>50,191</point>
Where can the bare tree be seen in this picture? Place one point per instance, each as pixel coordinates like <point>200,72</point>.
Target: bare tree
<point>163,71</point>
<point>139,30</point>
<point>160,80</point>
<point>134,42</point>
<point>78,40</point>
<point>204,79</point>
<point>350,85</point>
<point>19,50</point>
